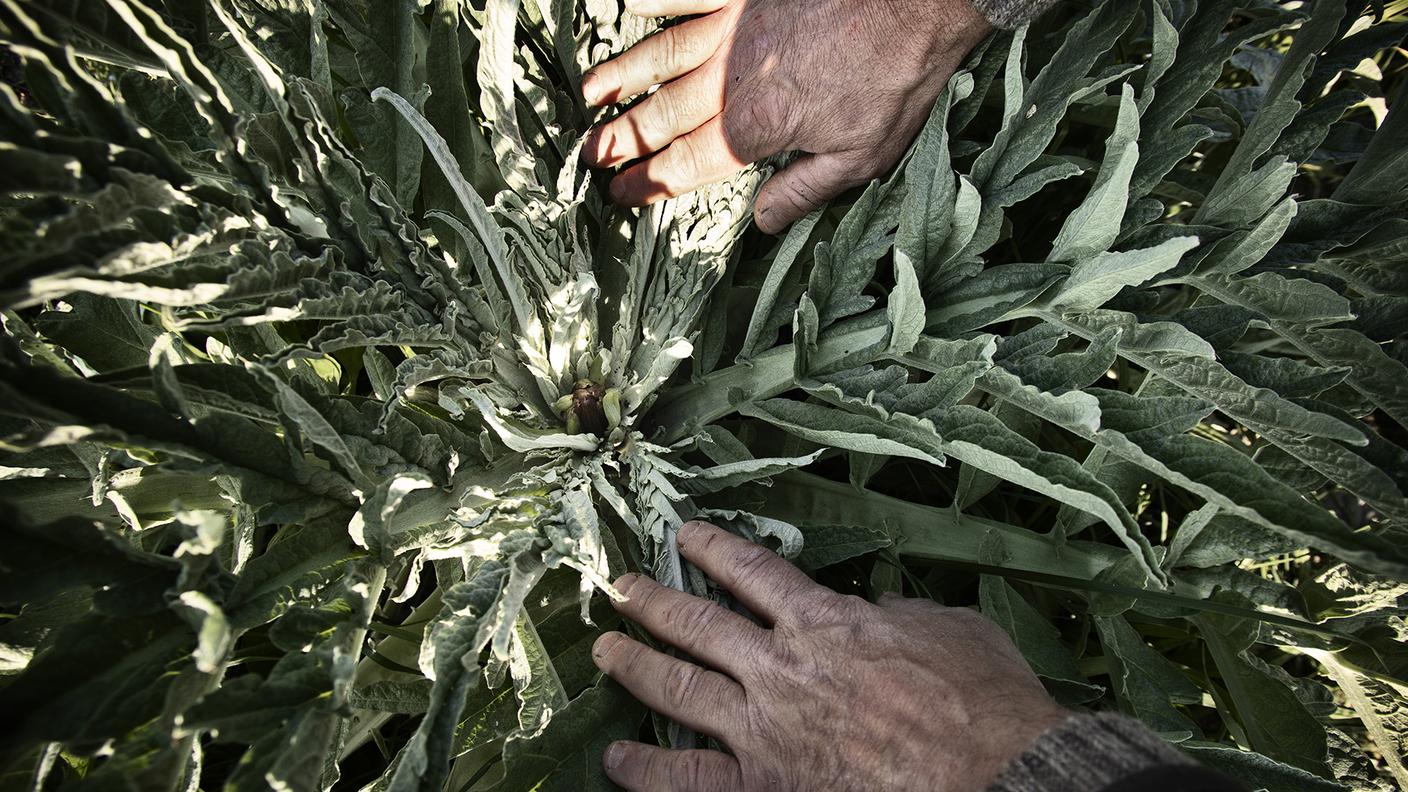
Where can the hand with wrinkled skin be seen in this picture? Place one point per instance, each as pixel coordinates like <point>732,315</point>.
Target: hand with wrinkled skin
<point>838,694</point>
<point>849,81</point>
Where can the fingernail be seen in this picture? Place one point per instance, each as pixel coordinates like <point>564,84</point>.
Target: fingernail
<point>590,144</point>
<point>593,90</point>
<point>688,531</point>
<point>615,752</point>
<point>604,643</point>
<point>762,221</point>
<point>626,582</point>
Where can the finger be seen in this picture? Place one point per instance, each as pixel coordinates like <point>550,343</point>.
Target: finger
<point>664,56</point>
<point>703,700</point>
<point>649,768</point>
<point>715,635</point>
<point>665,8</point>
<point>762,580</point>
<point>676,109</point>
<point>804,185</point>
<point>702,157</point>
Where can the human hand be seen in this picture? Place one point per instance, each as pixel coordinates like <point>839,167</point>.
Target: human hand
<point>850,81</point>
<point>839,694</point>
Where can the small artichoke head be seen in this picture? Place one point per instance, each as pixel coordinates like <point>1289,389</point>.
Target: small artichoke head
<point>591,408</point>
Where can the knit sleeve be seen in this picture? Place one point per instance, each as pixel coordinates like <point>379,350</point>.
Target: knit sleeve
<point>1011,13</point>
<point>1086,753</point>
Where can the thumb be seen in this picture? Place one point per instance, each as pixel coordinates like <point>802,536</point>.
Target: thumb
<point>809,182</point>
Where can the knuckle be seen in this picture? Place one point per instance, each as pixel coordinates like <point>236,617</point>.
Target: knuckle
<point>785,657</point>
<point>751,559</point>
<point>799,193</point>
<point>668,112</point>
<point>680,684</point>
<point>802,670</point>
<point>877,164</point>
<point>694,620</point>
<point>763,120</point>
<point>831,608</point>
<point>672,50</point>
<point>677,49</point>
<point>763,113</point>
<point>665,111</point>
<point>688,157</point>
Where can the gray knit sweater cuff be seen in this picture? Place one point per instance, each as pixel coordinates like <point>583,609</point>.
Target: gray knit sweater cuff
<point>1086,753</point>
<point>1011,13</point>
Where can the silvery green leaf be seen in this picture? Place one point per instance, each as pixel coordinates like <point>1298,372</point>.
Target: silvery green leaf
<point>1239,182</point>
<point>1070,409</point>
<point>1244,249</point>
<point>1032,117</point>
<point>496,97</point>
<point>1095,224</point>
<point>1146,683</point>
<point>1249,198</point>
<point>1380,175</point>
<point>1275,721</point>
<point>479,612</point>
<point>844,267</point>
<point>1035,637</point>
<point>1379,704</point>
<point>535,681</point>
<point>411,698</point>
<point>1093,281</point>
<point>314,425</point>
<point>488,232</point>
<point>977,438</point>
<point>369,526</point>
<point>928,221</point>
<point>1069,370</point>
<point>758,325</point>
<point>576,536</point>
<point>387,54</point>
<point>988,296</point>
<point>1258,769</point>
<point>825,545</point>
<point>905,437</point>
<point>905,309</point>
<point>565,755</point>
<point>523,438</point>
<point>731,474</point>
<point>755,529</point>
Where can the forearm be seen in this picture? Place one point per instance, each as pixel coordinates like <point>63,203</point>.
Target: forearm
<point>1108,753</point>
<point>1011,13</point>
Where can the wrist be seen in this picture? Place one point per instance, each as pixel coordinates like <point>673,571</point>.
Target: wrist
<point>955,28</point>
<point>1016,734</point>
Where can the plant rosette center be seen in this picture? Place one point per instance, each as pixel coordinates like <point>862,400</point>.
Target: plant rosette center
<point>591,408</point>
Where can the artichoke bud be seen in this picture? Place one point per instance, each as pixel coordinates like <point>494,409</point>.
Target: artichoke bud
<point>586,412</point>
<point>561,406</point>
<point>611,405</point>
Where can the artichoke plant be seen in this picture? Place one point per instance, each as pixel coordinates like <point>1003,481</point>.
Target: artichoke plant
<point>335,392</point>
